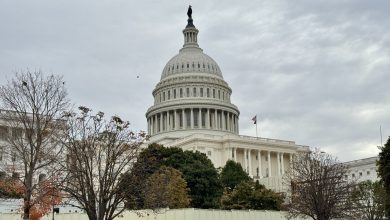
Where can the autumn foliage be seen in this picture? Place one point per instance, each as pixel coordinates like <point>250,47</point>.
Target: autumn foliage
<point>11,188</point>
<point>45,198</point>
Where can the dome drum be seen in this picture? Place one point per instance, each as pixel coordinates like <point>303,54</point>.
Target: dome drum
<point>191,119</point>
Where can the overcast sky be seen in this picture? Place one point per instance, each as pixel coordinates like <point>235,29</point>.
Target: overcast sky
<point>315,72</point>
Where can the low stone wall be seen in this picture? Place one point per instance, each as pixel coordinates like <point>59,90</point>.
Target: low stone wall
<point>174,214</point>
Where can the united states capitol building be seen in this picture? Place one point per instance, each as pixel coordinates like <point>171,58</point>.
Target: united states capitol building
<point>192,110</point>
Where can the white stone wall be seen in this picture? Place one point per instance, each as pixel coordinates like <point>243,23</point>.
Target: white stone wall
<point>175,214</point>
<point>362,170</point>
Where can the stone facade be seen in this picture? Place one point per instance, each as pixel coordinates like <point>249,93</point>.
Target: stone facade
<point>362,169</point>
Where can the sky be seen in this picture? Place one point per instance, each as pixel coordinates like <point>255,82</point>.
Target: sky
<point>314,72</point>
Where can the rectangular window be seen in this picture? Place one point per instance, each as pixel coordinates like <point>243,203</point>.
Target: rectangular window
<point>188,92</point>
<point>201,92</point>
<point>17,132</point>
<point>368,173</point>
<point>181,92</point>
<point>163,96</point>
<point>208,92</point>
<point>208,153</point>
<point>194,92</point>
<point>3,133</point>
<point>219,94</point>
<point>13,157</point>
<point>169,94</point>
<point>213,93</point>
<point>174,93</point>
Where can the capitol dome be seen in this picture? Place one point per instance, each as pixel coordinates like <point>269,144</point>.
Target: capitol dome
<point>192,96</point>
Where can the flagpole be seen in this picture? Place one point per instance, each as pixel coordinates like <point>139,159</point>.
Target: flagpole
<point>256,127</point>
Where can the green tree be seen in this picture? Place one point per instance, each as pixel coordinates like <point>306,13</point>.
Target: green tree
<point>384,172</point>
<point>132,182</point>
<point>367,201</point>
<point>198,171</point>
<point>166,188</point>
<point>232,174</point>
<point>251,195</point>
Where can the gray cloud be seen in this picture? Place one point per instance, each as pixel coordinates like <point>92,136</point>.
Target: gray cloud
<point>315,72</point>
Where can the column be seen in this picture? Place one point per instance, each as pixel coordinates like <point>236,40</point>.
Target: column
<point>228,121</point>
<point>281,155</point>
<point>215,119</point>
<point>168,122</point>
<point>161,122</point>
<point>259,161</point>
<point>200,118</point>
<point>269,164</point>
<point>175,118</point>
<point>184,118</point>
<point>208,119</point>
<point>223,120</point>
<point>291,161</point>
<point>155,124</point>
<point>246,160</point>
<point>192,118</point>
<point>278,158</point>
<point>250,162</point>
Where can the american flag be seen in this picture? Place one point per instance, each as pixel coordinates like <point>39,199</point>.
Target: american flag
<point>254,119</point>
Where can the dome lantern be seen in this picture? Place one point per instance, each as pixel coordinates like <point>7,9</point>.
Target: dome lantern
<point>190,32</point>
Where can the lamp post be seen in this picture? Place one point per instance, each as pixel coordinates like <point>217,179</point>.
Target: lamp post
<point>55,210</point>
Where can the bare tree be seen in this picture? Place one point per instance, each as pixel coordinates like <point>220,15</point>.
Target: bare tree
<point>318,188</point>
<point>98,152</point>
<point>32,105</point>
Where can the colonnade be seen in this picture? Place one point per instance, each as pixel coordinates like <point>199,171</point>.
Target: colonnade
<point>192,118</point>
<point>247,162</point>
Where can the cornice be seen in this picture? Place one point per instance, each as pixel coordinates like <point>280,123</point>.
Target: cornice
<point>191,79</point>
